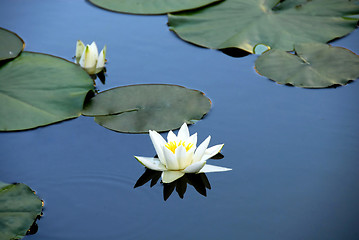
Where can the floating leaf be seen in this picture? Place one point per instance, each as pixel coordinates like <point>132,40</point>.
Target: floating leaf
<point>38,89</point>
<point>150,6</point>
<point>313,65</point>
<point>19,208</point>
<point>278,24</point>
<point>139,108</point>
<point>11,45</point>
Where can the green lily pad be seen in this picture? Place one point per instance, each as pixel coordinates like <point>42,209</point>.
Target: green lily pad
<point>150,6</point>
<point>139,108</point>
<point>38,89</point>
<point>19,208</point>
<point>11,45</point>
<point>280,25</point>
<point>313,65</point>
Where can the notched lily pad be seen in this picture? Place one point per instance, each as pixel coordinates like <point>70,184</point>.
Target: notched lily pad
<point>38,89</point>
<point>19,208</point>
<point>150,6</point>
<point>278,24</point>
<point>11,45</point>
<point>313,65</point>
<point>139,108</point>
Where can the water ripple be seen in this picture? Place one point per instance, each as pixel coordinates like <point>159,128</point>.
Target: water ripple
<point>100,205</point>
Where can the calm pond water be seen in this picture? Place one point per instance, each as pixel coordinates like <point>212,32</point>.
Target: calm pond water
<point>294,152</point>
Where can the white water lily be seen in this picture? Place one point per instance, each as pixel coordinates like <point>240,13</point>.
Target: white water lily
<point>88,57</point>
<point>179,155</point>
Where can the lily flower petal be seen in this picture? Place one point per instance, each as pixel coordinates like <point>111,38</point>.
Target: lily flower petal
<point>158,142</point>
<point>83,56</point>
<point>210,152</point>
<point>181,157</point>
<point>189,157</point>
<point>211,168</point>
<point>171,137</point>
<point>193,140</point>
<point>201,150</point>
<point>183,133</point>
<point>151,163</point>
<point>171,161</point>
<point>194,167</point>
<point>88,59</point>
<point>170,176</point>
<point>94,49</point>
<point>80,47</point>
<point>101,60</point>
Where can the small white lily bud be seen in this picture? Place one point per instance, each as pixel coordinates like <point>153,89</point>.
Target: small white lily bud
<point>89,58</point>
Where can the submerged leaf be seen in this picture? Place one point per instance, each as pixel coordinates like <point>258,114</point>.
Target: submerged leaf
<point>11,45</point>
<point>314,65</point>
<point>150,6</point>
<point>278,24</point>
<point>139,108</point>
<point>38,89</point>
<point>19,208</point>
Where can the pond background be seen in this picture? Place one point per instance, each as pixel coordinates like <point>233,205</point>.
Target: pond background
<point>294,152</point>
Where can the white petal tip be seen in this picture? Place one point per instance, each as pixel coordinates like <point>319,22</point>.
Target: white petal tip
<point>151,163</point>
<point>211,168</point>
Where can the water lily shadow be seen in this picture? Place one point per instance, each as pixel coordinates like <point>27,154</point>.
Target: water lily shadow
<point>34,227</point>
<point>101,75</point>
<point>198,181</point>
<point>235,52</point>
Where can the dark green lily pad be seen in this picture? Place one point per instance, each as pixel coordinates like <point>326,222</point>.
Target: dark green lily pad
<point>19,208</point>
<point>38,89</point>
<point>11,45</point>
<point>313,65</point>
<point>139,108</point>
<point>150,6</point>
<point>279,25</point>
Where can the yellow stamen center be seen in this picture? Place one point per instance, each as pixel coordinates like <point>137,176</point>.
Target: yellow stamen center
<point>174,145</point>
